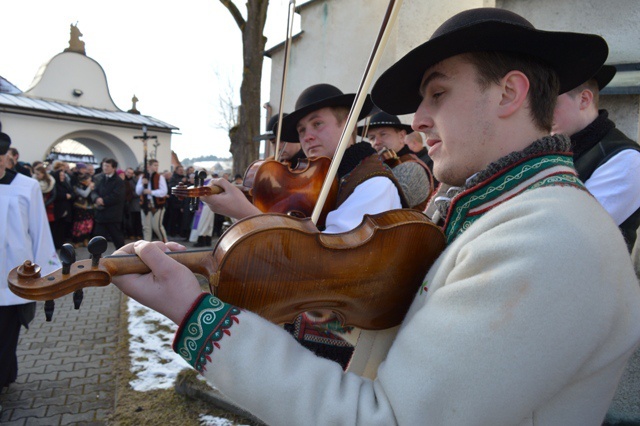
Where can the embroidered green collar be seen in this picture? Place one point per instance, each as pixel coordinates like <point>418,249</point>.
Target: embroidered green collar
<point>547,162</point>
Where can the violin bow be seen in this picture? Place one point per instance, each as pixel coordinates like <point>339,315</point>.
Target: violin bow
<point>285,70</point>
<point>378,48</point>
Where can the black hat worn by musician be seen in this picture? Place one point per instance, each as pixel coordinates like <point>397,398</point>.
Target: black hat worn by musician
<point>384,119</point>
<point>574,57</point>
<point>604,76</point>
<point>271,129</point>
<point>317,97</point>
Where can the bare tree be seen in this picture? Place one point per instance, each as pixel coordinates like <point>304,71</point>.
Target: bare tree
<point>228,107</point>
<point>243,149</point>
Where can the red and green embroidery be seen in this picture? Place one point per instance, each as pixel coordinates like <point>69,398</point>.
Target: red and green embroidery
<point>200,335</point>
<point>529,174</point>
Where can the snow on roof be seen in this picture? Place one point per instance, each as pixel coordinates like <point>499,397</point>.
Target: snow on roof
<point>15,102</point>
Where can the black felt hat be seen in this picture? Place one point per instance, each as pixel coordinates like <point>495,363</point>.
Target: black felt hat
<point>383,119</point>
<point>575,57</point>
<point>271,127</point>
<point>604,75</point>
<point>314,98</point>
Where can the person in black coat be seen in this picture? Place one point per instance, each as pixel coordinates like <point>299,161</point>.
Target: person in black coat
<point>109,200</point>
<point>62,206</point>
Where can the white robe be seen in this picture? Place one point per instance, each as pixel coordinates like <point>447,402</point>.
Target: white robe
<point>24,233</point>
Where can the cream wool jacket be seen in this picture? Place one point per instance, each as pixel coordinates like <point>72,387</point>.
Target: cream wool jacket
<point>527,318</point>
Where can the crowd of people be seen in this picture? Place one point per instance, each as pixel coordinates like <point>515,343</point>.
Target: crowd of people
<point>83,201</point>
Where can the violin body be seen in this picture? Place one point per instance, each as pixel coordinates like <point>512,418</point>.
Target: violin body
<point>278,188</point>
<point>279,266</point>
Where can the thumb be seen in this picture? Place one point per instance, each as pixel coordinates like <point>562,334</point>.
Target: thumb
<point>154,257</point>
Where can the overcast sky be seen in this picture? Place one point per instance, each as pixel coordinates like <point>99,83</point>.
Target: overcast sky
<point>176,57</point>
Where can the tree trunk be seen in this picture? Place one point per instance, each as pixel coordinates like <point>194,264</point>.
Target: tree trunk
<point>243,149</point>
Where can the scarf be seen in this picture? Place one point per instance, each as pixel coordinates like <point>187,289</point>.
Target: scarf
<point>588,137</point>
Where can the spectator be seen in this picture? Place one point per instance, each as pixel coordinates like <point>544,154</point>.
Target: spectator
<point>153,192</point>
<point>109,201</point>
<point>13,156</point>
<point>48,187</point>
<point>63,205</point>
<point>83,211</point>
<point>133,223</point>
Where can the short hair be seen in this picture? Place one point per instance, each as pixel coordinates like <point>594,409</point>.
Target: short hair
<point>59,165</point>
<point>341,113</point>
<point>151,162</point>
<point>544,83</point>
<point>13,151</point>
<point>590,85</point>
<point>111,161</point>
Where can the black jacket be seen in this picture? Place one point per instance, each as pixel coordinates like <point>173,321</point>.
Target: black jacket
<point>111,190</point>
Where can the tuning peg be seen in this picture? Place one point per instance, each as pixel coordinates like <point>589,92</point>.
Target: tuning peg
<point>49,305</point>
<point>96,247</point>
<point>67,257</point>
<point>78,295</point>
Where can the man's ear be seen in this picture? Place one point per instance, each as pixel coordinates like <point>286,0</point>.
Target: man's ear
<point>586,99</point>
<point>515,87</point>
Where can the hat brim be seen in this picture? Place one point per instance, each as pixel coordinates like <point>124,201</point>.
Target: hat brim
<point>264,136</point>
<point>575,58</point>
<point>290,122</point>
<point>605,75</point>
<point>407,128</point>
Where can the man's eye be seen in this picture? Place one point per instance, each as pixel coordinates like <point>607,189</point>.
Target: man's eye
<point>437,95</point>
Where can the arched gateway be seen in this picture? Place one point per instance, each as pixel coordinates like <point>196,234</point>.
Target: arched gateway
<point>69,99</point>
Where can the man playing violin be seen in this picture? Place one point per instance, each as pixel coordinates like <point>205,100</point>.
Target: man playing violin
<point>366,185</point>
<point>531,312</point>
<point>387,136</point>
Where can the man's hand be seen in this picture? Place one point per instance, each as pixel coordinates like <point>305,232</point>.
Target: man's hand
<point>100,202</point>
<point>170,288</point>
<point>232,202</point>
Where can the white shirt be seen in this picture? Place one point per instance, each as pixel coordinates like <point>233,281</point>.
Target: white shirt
<point>158,193</point>
<point>616,185</point>
<point>360,202</point>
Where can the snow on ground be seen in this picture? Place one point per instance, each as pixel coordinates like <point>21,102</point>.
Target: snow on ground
<point>153,361</point>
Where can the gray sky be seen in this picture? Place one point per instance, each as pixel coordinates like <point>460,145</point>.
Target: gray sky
<point>176,57</point>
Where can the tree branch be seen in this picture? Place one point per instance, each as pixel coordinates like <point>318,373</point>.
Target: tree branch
<point>233,10</point>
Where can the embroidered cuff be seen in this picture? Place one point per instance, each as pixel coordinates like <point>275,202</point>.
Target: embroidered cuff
<point>208,321</point>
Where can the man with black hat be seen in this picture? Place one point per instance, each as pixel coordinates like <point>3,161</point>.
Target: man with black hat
<point>530,313</point>
<point>607,161</point>
<point>289,152</point>
<point>366,185</point>
<point>387,134</point>
<point>24,234</point>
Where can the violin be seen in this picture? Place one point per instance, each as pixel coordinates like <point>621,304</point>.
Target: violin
<point>279,266</point>
<point>275,187</point>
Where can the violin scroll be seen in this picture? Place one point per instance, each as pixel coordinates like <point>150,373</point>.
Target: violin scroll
<point>183,191</point>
